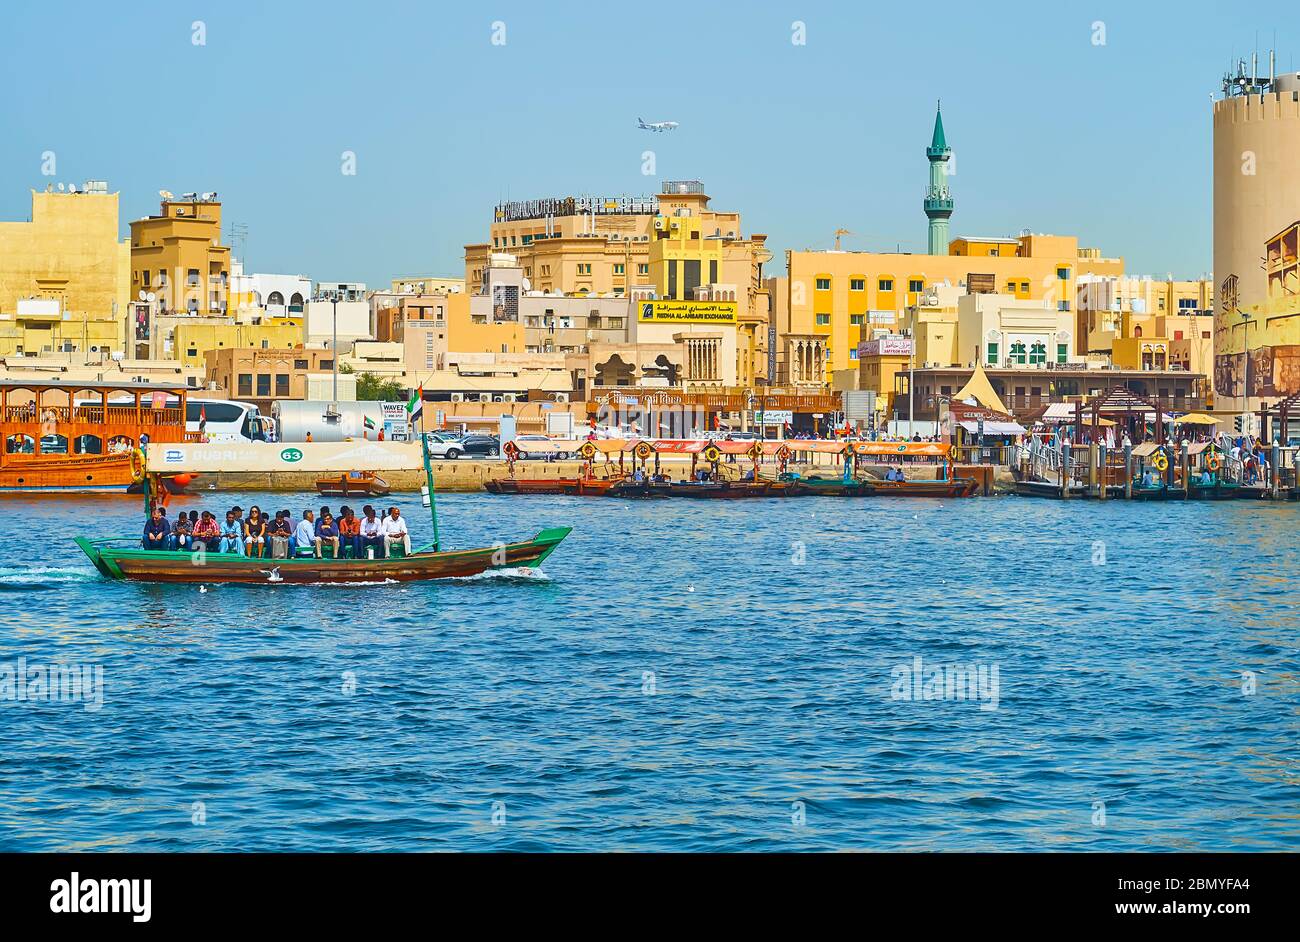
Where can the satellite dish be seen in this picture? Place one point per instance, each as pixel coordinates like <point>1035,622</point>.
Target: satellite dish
<point>142,296</point>
<point>151,297</point>
<point>60,187</point>
<point>165,194</point>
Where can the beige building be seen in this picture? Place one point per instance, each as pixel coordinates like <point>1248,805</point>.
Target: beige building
<point>601,247</point>
<point>261,376</point>
<point>1256,201</point>
<point>65,276</point>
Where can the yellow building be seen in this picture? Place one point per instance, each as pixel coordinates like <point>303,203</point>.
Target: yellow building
<point>177,257</point>
<point>427,284</point>
<point>191,342</point>
<point>428,340</point>
<point>880,360</point>
<point>65,276</point>
<point>832,295</point>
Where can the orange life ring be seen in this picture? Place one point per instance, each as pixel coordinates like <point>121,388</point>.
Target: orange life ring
<point>1212,461</point>
<point>1160,463</point>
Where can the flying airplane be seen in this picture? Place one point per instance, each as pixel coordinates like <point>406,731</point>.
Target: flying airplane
<point>655,125</point>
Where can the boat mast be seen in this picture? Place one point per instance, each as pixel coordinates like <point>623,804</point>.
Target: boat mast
<point>428,478</point>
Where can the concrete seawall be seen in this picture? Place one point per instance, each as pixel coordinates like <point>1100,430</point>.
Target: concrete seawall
<point>469,476</point>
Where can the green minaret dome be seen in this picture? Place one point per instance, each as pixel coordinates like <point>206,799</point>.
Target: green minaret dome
<point>938,198</point>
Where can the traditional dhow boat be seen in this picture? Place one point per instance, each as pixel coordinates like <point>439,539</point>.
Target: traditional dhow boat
<point>576,487</point>
<point>123,558</point>
<point>954,487</point>
<point>73,436</point>
<point>818,486</point>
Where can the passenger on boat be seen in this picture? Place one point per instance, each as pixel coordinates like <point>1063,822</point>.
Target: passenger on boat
<point>349,531</point>
<point>371,534</point>
<point>304,537</point>
<point>279,534</point>
<point>157,532</point>
<point>232,535</point>
<point>394,531</point>
<point>207,531</point>
<point>255,532</point>
<point>181,533</point>
<point>320,519</point>
<point>748,475</point>
<point>638,476</point>
<point>328,535</point>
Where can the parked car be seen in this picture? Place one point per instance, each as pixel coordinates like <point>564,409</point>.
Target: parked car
<point>444,445</point>
<point>542,453</point>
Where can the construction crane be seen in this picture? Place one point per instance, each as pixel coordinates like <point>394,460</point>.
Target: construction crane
<point>838,233</point>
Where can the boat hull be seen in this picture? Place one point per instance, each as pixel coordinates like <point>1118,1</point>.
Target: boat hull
<point>830,487</point>
<point>365,485</point>
<point>957,487</point>
<point>141,565</point>
<point>579,487</point>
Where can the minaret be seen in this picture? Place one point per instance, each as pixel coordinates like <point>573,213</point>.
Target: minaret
<point>938,199</point>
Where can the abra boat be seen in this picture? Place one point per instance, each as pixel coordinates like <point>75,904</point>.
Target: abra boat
<point>954,487</point>
<point>117,558</point>
<point>579,487</point>
<point>708,490</point>
<point>353,484</point>
<point>818,486</point>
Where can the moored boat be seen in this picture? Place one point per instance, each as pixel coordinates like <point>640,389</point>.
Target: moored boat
<point>817,486</point>
<point>953,487</point>
<point>353,484</point>
<point>578,487</point>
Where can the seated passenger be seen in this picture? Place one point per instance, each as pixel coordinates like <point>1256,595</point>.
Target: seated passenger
<point>255,532</point>
<point>371,536</point>
<point>157,532</point>
<point>328,535</point>
<point>207,532</point>
<point>181,533</point>
<point>232,535</point>
<point>304,537</point>
<point>279,534</point>
<point>394,531</point>
<point>349,530</point>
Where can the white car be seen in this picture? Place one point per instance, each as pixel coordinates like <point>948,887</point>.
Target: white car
<point>546,451</point>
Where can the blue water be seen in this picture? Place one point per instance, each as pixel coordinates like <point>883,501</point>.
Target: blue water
<point>684,676</point>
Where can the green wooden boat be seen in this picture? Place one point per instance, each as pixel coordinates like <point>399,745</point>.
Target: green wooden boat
<point>123,557</point>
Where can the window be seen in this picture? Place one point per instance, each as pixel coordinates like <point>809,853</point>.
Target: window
<point>853,353</point>
<point>885,284</point>
<point>643,269</point>
<point>327,364</point>
<point>855,284</point>
<point>245,384</point>
<point>993,353</point>
<point>1063,274</point>
<point>823,284</point>
<point>855,318</point>
<point>1038,353</point>
<point>1018,352</point>
<point>916,286</point>
<point>264,384</point>
<point>1011,287</point>
<point>618,268</point>
<point>300,364</point>
<point>1062,352</point>
<point>1024,287</point>
<point>993,251</point>
<point>584,268</point>
<point>282,384</point>
<point>823,320</point>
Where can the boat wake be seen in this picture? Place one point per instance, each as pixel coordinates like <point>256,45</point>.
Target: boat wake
<point>516,574</point>
<point>15,580</point>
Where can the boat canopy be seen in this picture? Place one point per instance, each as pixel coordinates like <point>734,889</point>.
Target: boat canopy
<point>933,449</point>
<point>817,445</point>
<point>1146,449</point>
<point>994,428</point>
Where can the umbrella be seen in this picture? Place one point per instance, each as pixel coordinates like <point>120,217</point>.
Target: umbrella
<point>1196,418</point>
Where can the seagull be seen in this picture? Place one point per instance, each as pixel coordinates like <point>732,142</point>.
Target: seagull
<point>203,588</point>
<point>273,575</point>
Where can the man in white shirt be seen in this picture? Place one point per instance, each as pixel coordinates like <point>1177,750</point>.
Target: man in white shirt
<point>371,536</point>
<point>394,531</point>
<point>304,537</point>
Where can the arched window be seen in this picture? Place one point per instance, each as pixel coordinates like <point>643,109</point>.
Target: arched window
<point>89,445</point>
<point>120,443</point>
<point>20,445</point>
<point>54,444</point>
<point>274,298</point>
<point>1038,352</point>
<point>1018,352</point>
<point>295,303</point>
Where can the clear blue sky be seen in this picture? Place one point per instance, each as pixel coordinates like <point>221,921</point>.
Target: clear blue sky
<point>1050,131</point>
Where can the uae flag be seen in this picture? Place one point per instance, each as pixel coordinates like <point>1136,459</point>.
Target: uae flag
<point>415,407</point>
<point>368,422</point>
